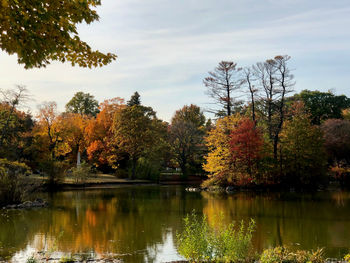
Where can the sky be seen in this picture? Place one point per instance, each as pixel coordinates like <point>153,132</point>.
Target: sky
<point>165,49</point>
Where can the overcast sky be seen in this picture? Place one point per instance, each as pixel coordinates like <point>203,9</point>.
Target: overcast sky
<point>165,48</point>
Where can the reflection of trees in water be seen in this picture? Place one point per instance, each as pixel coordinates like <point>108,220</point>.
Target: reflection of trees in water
<point>17,228</point>
<point>136,220</point>
<point>312,220</point>
<point>123,221</point>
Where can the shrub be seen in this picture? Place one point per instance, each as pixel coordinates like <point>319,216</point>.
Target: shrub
<point>13,184</point>
<point>55,170</point>
<point>146,169</point>
<point>220,243</point>
<point>341,174</point>
<point>81,173</point>
<point>283,254</point>
<point>193,242</point>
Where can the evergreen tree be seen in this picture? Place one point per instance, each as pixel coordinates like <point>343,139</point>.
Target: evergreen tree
<point>134,100</point>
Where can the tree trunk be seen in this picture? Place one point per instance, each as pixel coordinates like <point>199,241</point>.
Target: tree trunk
<point>78,159</point>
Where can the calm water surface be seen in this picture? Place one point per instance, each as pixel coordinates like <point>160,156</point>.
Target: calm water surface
<point>139,223</point>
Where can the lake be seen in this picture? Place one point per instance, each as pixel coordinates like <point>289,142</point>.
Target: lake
<point>139,223</point>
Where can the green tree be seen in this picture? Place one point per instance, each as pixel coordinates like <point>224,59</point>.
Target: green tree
<point>134,100</point>
<point>42,31</point>
<point>137,132</point>
<point>83,103</point>
<point>186,138</point>
<point>323,105</point>
<point>15,125</point>
<point>337,141</point>
<point>302,147</point>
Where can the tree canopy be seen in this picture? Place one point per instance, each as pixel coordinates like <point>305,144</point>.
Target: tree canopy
<point>186,138</point>
<point>83,103</point>
<point>137,132</point>
<point>134,100</point>
<point>323,105</point>
<point>43,31</point>
<point>221,83</point>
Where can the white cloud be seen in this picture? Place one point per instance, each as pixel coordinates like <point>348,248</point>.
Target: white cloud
<point>165,48</point>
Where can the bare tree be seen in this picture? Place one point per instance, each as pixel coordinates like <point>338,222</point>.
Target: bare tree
<point>285,81</point>
<point>222,82</point>
<point>276,81</point>
<point>249,82</point>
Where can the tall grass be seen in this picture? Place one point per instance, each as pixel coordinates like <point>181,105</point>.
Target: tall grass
<point>220,243</point>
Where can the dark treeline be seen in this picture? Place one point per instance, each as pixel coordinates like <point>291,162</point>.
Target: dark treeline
<point>263,134</point>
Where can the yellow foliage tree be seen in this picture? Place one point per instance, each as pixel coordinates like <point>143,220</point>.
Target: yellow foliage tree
<point>47,132</point>
<point>73,127</point>
<point>219,159</point>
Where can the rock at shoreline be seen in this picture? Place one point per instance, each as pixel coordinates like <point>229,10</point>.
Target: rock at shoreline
<point>28,204</point>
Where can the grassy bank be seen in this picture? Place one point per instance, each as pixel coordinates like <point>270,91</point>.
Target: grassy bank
<point>218,242</point>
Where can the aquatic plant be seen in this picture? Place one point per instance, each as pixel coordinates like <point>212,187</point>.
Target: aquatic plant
<point>219,242</point>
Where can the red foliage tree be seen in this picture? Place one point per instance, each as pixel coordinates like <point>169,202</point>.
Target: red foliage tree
<point>246,145</point>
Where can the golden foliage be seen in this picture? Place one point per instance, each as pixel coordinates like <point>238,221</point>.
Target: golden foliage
<point>219,160</point>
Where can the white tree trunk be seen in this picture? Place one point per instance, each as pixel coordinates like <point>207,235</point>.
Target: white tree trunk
<point>78,159</point>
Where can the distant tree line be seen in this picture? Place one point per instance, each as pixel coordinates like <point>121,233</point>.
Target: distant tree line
<point>262,136</point>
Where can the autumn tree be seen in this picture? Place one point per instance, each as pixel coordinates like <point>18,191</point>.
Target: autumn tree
<point>15,125</point>
<point>138,132</point>
<point>302,150</point>
<point>73,127</point>
<point>222,83</point>
<point>186,137</point>
<point>83,103</point>
<point>48,146</point>
<point>43,31</point>
<point>219,162</point>
<point>11,100</point>
<point>102,149</point>
<point>47,130</point>
<point>346,114</point>
<point>337,141</point>
<point>246,146</point>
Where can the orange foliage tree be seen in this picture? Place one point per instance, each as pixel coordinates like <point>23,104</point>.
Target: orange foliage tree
<point>73,127</point>
<point>102,147</point>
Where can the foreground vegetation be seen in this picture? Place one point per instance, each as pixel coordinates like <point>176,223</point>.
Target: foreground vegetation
<point>201,242</point>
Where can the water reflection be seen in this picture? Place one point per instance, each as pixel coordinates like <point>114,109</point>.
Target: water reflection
<point>139,223</point>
